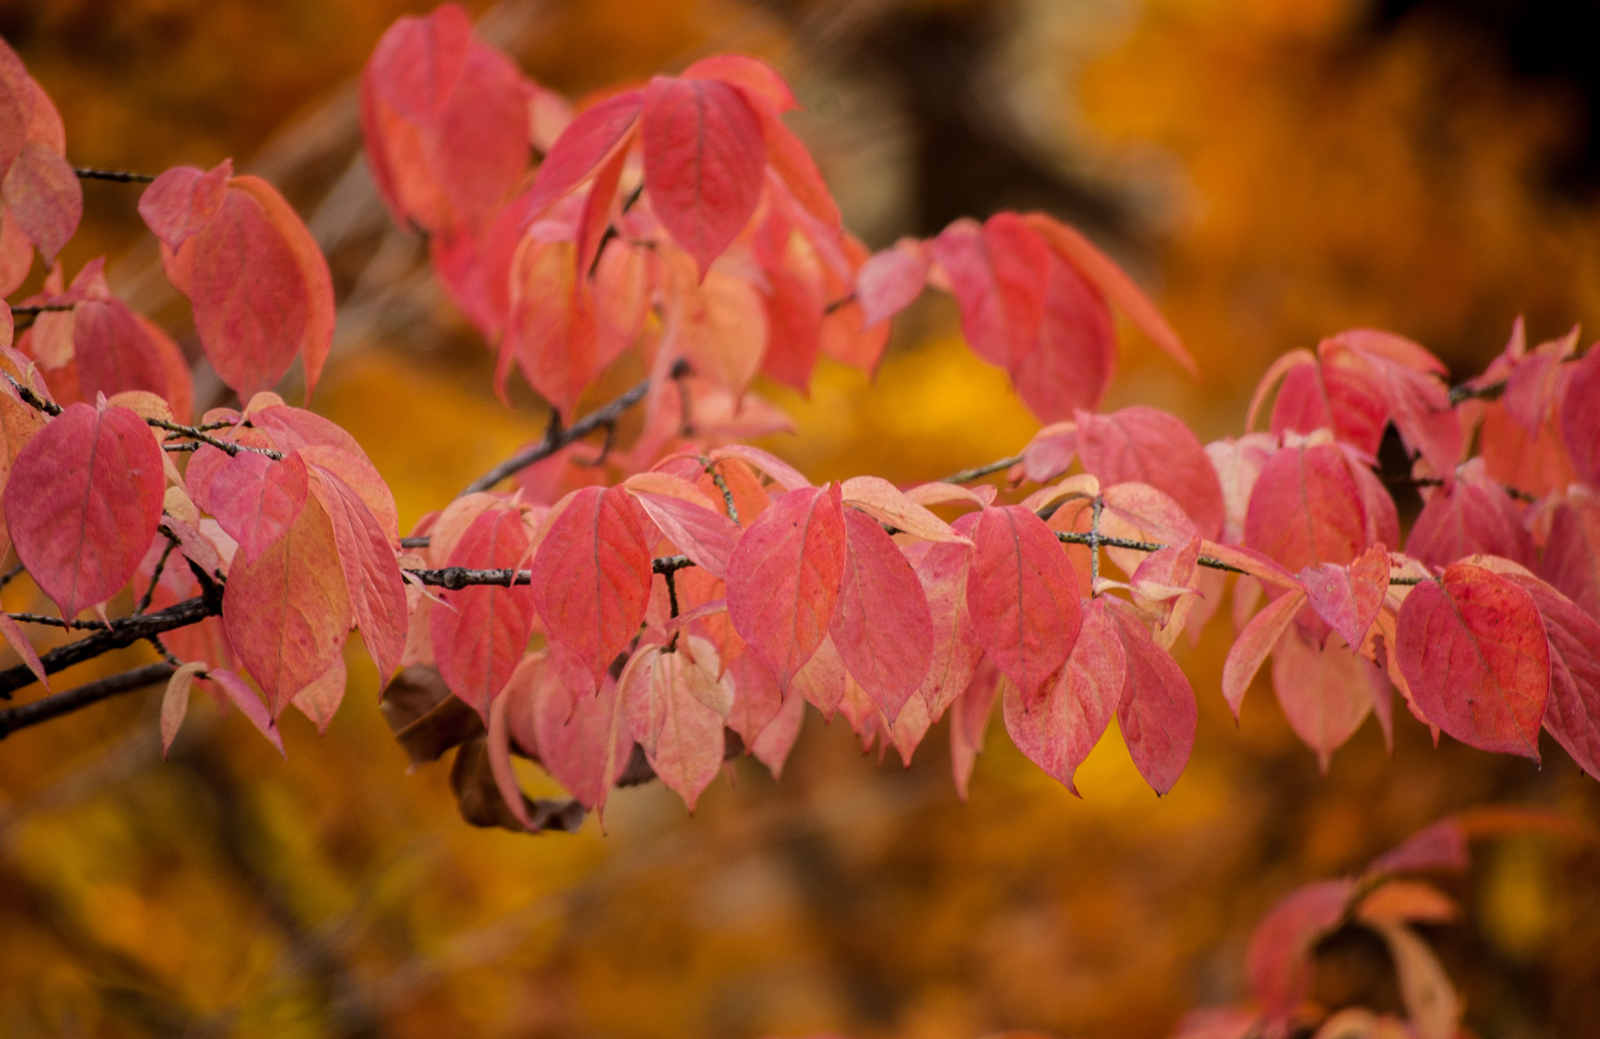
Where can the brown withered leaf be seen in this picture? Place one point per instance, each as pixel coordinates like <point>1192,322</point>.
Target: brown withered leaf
<point>480,803</point>
<point>425,718</point>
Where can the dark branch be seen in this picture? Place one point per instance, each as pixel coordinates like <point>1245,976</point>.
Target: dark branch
<point>39,308</point>
<point>457,577</point>
<point>119,176</point>
<point>57,704</point>
<point>558,438</point>
<point>122,633</point>
<point>194,433</point>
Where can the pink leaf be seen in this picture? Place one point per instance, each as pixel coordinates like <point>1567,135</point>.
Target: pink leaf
<point>481,632</point>
<point>1023,596</point>
<point>1070,361</point>
<point>1112,282</point>
<point>12,632</point>
<point>44,197</point>
<point>1057,731</point>
<point>587,141</point>
<point>969,717</point>
<point>371,571</point>
<point>1278,964</point>
<point>1580,419</point>
<point>583,738</point>
<point>1143,445</point>
<point>243,697</point>
<point>942,570</point>
<point>759,81</point>
<point>1572,555</point>
<point>1157,715</point>
<point>764,718</point>
<point>287,612</point>
<point>175,702</point>
<point>888,282</point>
<point>1253,644</point>
<point>703,162</point>
<point>551,331</point>
<point>1306,509</point>
<point>1473,650</point>
<point>1325,692</point>
<point>677,702</point>
<point>784,578</point>
<point>786,475</point>
<point>884,502</point>
<point>997,272</point>
<point>256,499</point>
<point>1469,515</point>
<point>1440,846</point>
<point>180,202</point>
<point>320,700</point>
<point>1573,713</point>
<point>1348,598</point>
<point>882,627</point>
<point>83,501</point>
<point>591,576</point>
<point>705,536</point>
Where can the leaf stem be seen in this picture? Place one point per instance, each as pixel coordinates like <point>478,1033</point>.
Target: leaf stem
<point>978,472</point>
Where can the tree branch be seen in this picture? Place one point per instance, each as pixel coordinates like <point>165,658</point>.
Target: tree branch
<point>978,472</point>
<point>57,704</point>
<point>558,438</point>
<point>119,176</point>
<point>122,633</point>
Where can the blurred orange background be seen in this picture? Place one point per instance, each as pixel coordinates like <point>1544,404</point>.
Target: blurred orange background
<point>1272,170</point>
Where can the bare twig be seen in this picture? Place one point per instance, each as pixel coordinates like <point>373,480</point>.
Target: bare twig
<point>155,575</point>
<point>57,704</point>
<point>56,622</point>
<point>119,176</point>
<point>11,575</point>
<point>559,438</point>
<point>978,472</point>
<point>121,633</point>
<point>39,308</point>
<point>232,448</point>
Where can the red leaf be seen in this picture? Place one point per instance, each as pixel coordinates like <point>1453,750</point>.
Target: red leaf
<point>481,632</point>
<point>1348,598</point>
<point>888,282</point>
<point>1473,650</point>
<point>796,303</point>
<point>1330,394</point>
<point>1580,419</point>
<point>821,681</point>
<point>942,570</point>
<point>256,499</point>
<point>320,700</point>
<point>703,162</point>
<point>784,578</point>
<point>882,627</point>
<point>759,81</point>
<point>582,735</point>
<point>591,576</point>
<point>587,141</point>
<point>1112,282</point>
<point>764,718</point>
<point>998,273</point>
<point>418,61</point>
<point>1306,509</point>
<point>1157,714</point>
<point>551,331</point>
<point>1237,464</point>
<point>1471,514</point>
<point>83,501</point>
<point>1278,964</point>
<point>183,200</point>
<point>249,704</point>
<point>1071,359</point>
<point>287,612</point>
<point>969,717</point>
<point>1440,846</point>
<point>1572,715</point>
<point>371,571</point>
<point>884,502</point>
<point>260,288</point>
<point>1143,445</point>
<point>676,708</point>
<point>719,326</point>
<point>1023,596</point>
<point>1057,731</point>
<point>12,632</point>
<point>1325,692</point>
<point>687,519</point>
<point>1572,554</point>
<point>115,351</point>
<point>1252,645</point>
<point>44,197</point>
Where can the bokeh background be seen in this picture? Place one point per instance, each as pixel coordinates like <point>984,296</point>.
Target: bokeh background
<point>1272,170</point>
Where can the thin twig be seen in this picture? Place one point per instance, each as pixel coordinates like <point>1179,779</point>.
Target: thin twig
<point>591,422</point>
<point>722,485</point>
<point>155,575</point>
<point>119,176</point>
<point>32,399</point>
<point>57,704</point>
<point>56,622</point>
<point>39,308</point>
<point>230,446</point>
<point>455,578</point>
<point>11,575</point>
<point>968,475</point>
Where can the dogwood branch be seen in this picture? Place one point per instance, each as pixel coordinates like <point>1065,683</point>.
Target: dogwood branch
<point>119,634</point>
<point>57,704</point>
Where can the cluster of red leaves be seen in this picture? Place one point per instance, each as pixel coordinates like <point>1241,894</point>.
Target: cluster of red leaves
<point>711,588</point>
